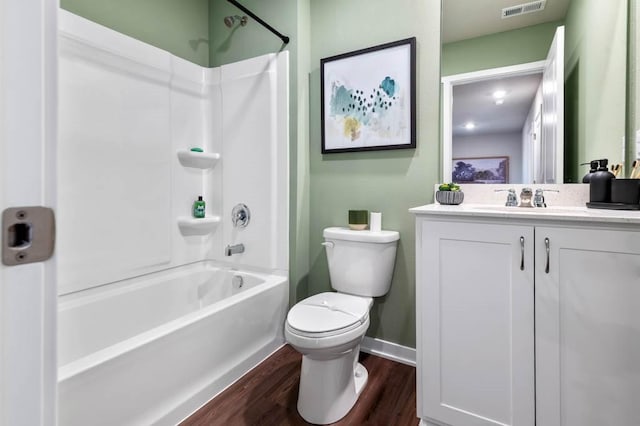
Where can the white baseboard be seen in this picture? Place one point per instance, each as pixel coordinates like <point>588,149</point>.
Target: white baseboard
<point>389,350</point>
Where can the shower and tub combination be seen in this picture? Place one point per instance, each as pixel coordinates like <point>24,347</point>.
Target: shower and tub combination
<point>160,311</point>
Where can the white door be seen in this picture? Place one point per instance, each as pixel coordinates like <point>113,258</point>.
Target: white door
<point>587,327</point>
<point>28,84</point>
<point>538,173</point>
<point>553,111</point>
<point>475,332</point>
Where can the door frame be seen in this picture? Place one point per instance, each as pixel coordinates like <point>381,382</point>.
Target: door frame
<point>450,81</point>
<point>553,110</point>
<point>28,134</point>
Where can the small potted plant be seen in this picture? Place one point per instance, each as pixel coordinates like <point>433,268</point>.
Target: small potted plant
<point>449,193</point>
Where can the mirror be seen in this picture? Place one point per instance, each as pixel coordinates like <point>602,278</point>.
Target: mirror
<point>476,38</point>
<point>633,118</point>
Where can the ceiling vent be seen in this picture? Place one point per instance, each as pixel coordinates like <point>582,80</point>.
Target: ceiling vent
<point>521,9</point>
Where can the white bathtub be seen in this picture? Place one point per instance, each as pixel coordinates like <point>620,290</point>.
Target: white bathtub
<point>153,349</point>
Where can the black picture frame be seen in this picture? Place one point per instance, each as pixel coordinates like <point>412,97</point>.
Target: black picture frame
<point>368,98</point>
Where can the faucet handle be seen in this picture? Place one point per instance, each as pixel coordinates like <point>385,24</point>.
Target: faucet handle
<point>538,199</point>
<point>542,191</point>
<point>240,216</point>
<point>512,200</point>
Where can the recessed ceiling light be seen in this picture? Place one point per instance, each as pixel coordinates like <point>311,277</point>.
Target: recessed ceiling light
<point>499,101</point>
<point>499,94</point>
<point>470,125</point>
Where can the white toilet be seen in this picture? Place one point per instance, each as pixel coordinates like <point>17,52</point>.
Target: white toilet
<point>327,328</point>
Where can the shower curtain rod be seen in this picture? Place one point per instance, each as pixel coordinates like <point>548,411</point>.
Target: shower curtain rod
<point>282,37</point>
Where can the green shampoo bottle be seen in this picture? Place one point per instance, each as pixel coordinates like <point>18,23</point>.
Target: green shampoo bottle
<point>198,208</point>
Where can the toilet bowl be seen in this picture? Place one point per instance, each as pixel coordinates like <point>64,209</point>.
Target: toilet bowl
<point>327,328</point>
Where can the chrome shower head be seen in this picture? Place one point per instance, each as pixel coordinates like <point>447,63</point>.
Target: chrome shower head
<point>230,20</point>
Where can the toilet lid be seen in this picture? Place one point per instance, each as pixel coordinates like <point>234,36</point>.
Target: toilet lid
<point>326,312</point>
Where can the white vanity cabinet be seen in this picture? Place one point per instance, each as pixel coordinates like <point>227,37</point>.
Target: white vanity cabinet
<point>587,326</point>
<point>527,321</point>
<point>475,290</point>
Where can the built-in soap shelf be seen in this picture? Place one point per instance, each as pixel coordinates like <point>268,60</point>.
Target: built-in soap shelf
<point>198,160</point>
<point>198,226</point>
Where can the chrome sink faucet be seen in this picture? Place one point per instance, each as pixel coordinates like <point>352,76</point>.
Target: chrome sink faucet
<point>512,200</point>
<point>525,197</point>
<point>234,249</point>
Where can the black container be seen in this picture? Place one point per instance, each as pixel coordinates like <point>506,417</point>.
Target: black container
<point>593,168</point>
<point>600,184</point>
<point>625,191</point>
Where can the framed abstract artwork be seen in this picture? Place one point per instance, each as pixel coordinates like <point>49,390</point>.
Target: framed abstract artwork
<point>480,170</point>
<point>368,98</point>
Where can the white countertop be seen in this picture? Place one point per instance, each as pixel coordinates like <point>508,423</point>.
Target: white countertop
<point>568,213</point>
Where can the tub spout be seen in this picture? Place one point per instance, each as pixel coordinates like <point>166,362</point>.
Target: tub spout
<point>234,249</point>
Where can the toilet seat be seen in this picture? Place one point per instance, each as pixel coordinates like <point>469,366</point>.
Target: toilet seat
<point>328,314</point>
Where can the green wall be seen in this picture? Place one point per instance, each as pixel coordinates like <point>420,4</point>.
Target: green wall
<point>386,181</point>
<point>498,50</point>
<point>179,27</point>
<point>633,82</point>
<point>238,43</point>
<point>595,70</point>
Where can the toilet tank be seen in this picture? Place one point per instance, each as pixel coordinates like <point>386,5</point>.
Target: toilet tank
<point>360,262</point>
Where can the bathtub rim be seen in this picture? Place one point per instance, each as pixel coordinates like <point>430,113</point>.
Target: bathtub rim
<point>114,286</point>
<point>83,364</point>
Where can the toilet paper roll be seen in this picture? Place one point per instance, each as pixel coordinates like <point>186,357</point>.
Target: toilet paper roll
<point>375,222</point>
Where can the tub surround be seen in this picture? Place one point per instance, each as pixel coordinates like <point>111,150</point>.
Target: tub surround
<point>129,114</point>
<point>154,319</point>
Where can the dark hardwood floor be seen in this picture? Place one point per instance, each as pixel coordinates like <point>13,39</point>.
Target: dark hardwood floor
<point>268,395</point>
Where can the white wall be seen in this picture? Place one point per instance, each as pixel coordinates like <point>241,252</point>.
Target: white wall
<point>126,108</point>
<point>494,145</point>
<point>28,138</point>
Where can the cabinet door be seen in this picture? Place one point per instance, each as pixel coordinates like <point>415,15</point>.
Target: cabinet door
<point>587,327</point>
<point>475,323</point>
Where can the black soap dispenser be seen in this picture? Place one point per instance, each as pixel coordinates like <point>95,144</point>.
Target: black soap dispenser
<point>600,184</point>
<point>593,168</point>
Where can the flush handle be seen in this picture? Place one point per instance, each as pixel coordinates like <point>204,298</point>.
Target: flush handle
<point>28,235</point>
